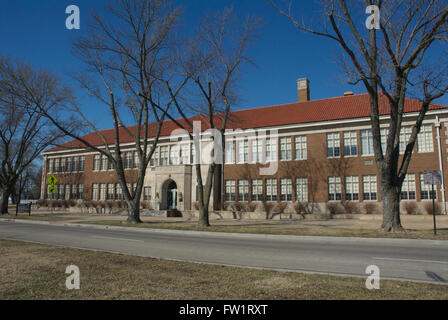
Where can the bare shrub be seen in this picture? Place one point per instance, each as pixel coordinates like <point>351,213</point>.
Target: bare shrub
<point>410,207</point>
<point>42,203</point>
<point>196,205</point>
<point>370,207</point>
<point>429,209</point>
<point>251,207</point>
<point>146,205</point>
<point>333,208</point>
<point>268,206</point>
<point>350,207</point>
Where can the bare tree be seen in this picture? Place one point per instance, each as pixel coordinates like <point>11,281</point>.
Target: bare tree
<point>125,51</point>
<point>212,62</point>
<point>404,57</point>
<point>24,132</point>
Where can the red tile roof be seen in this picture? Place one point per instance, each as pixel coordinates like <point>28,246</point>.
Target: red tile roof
<point>339,108</point>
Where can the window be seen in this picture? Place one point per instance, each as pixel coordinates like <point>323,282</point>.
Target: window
<point>63,165</point>
<point>185,153</point>
<point>155,158</point>
<point>175,155</point>
<point>426,190</point>
<point>96,162</point>
<point>69,164</point>
<point>271,149</point>
<point>102,191</point>
<point>425,139</point>
<point>369,186</point>
<point>230,152</point>
<point>95,191</point>
<point>164,156</point>
<point>350,144</point>
<point>333,145</point>
<point>286,189</point>
<point>302,189</point>
<point>56,165</point>
<point>351,188</point>
<point>408,189</point>
<point>384,134</point>
<point>285,149</point>
<point>243,151</point>
<point>136,160</point>
<point>67,192</point>
<point>77,164</point>
<point>230,190</point>
<point>119,191</point>
<point>103,162</point>
<point>111,165</point>
<point>334,188</point>
<point>61,192</point>
<point>367,143</point>
<point>74,192</point>
<point>257,190</point>
<point>80,191</point>
<point>128,160</point>
<point>271,190</point>
<point>50,166</point>
<point>257,151</point>
<point>243,190</point>
<point>110,191</point>
<point>405,135</point>
<point>301,148</point>
<point>147,194</point>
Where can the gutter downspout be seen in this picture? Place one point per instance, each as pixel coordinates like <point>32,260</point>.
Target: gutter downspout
<point>438,125</point>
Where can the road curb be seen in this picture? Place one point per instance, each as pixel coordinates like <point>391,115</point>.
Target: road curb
<point>329,239</point>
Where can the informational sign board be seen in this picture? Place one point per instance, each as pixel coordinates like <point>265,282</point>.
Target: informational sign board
<point>24,208</point>
<point>432,177</point>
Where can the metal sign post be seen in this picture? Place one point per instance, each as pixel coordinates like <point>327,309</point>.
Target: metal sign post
<point>433,178</point>
<point>52,180</point>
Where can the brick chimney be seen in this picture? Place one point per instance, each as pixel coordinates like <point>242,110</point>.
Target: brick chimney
<point>303,88</point>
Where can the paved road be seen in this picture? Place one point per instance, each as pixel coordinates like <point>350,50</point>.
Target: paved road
<point>416,260</point>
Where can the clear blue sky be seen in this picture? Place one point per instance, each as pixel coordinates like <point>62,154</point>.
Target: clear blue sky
<point>34,31</point>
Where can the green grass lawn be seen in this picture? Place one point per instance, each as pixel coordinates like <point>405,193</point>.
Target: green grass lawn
<point>35,271</point>
<point>293,229</point>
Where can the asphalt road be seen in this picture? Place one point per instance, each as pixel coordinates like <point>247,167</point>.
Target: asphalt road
<point>415,260</point>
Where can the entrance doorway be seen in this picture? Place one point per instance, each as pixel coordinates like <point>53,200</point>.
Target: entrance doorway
<point>171,196</point>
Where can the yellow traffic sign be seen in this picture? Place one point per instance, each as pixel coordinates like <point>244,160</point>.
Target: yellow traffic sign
<point>51,189</point>
<point>52,180</point>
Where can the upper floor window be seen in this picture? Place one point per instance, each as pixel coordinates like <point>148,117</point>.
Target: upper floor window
<point>243,151</point>
<point>271,149</point>
<point>285,149</point>
<point>57,167</point>
<point>63,165</point>
<point>128,160</point>
<point>69,165</point>
<point>257,151</point>
<point>136,160</point>
<point>230,152</point>
<point>96,162</point>
<point>164,156</point>
<point>175,155</point>
<point>301,148</point>
<point>333,145</point>
<point>155,158</point>
<point>51,166</point>
<point>103,162</point>
<point>350,144</point>
<point>185,153</point>
<point>367,143</point>
<point>425,139</point>
<point>405,135</point>
<point>384,135</point>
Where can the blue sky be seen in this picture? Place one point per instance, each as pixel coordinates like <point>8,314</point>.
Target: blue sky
<point>34,31</point>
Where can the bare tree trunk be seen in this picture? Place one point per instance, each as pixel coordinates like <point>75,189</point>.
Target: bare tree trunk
<point>134,212</point>
<point>391,202</point>
<point>4,202</point>
<point>203,217</point>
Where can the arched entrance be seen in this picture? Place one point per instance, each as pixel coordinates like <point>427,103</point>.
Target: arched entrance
<point>170,193</point>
